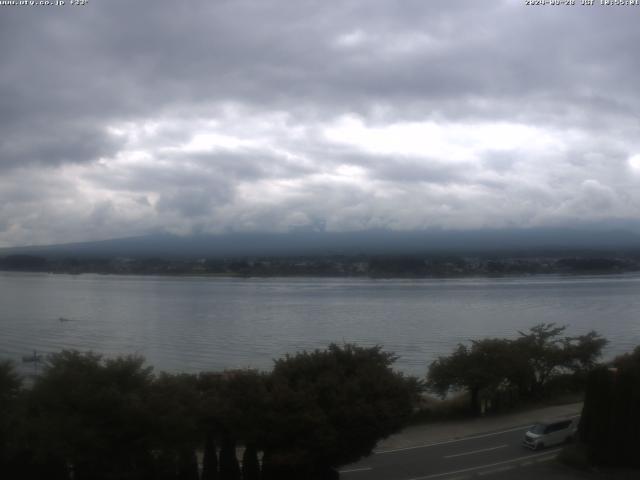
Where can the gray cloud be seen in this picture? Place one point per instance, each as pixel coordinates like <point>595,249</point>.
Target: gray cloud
<point>121,117</point>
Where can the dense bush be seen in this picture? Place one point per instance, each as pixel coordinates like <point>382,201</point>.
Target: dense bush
<point>610,424</point>
<point>87,417</point>
<point>329,408</point>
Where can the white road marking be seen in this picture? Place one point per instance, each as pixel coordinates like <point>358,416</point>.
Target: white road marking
<point>541,460</point>
<point>475,451</point>
<point>427,445</point>
<point>353,470</point>
<point>496,470</point>
<point>462,439</point>
<point>471,469</point>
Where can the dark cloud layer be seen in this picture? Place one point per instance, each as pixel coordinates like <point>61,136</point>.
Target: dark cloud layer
<point>122,117</point>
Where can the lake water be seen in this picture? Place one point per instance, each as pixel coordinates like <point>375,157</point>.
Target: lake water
<point>193,323</point>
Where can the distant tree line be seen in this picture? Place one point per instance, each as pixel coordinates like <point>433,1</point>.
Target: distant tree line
<point>499,371</point>
<point>375,266</point>
<point>91,418</point>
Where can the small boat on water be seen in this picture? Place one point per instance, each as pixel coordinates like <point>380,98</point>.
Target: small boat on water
<point>64,319</point>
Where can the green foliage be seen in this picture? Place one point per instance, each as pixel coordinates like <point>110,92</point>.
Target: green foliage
<point>610,424</point>
<point>330,407</point>
<point>250,463</point>
<point>173,401</point>
<point>187,464</point>
<point>114,419</point>
<point>548,355</point>
<point>233,403</point>
<point>431,408</point>
<point>92,413</point>
<point>210,459</point>
<point>525,365</point>
<point>229,466</point>
<point>10,384</point>
<point>98,419</point>
<point>628,361</point>
<point>543,350</point>
<point>483,367</point>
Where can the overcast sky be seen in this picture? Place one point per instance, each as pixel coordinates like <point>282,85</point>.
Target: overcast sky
<point>120,118</point>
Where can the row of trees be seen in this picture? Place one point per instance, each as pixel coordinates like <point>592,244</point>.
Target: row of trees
<point>87,417</point>
<point>523,368</point>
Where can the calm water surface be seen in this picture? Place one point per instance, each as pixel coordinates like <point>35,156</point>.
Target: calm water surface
<point>192,324</point>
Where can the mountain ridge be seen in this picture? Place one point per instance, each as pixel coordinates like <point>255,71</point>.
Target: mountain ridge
<point>365,242</point>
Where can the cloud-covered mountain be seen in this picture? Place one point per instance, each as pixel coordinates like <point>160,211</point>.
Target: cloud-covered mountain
<point>371,242</point>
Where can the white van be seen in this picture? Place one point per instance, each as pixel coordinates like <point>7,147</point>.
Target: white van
<point>553,432</point>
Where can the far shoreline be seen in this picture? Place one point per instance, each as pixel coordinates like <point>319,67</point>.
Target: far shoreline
<point>600,274</point>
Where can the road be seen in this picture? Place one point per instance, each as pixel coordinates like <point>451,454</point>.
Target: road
<point>474,456</point>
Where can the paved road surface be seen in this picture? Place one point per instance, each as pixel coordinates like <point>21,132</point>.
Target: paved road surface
<point>473,456</point>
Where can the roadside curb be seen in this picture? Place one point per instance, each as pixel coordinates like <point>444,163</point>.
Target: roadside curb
<point>453,440</point>
<point>419,436</point>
